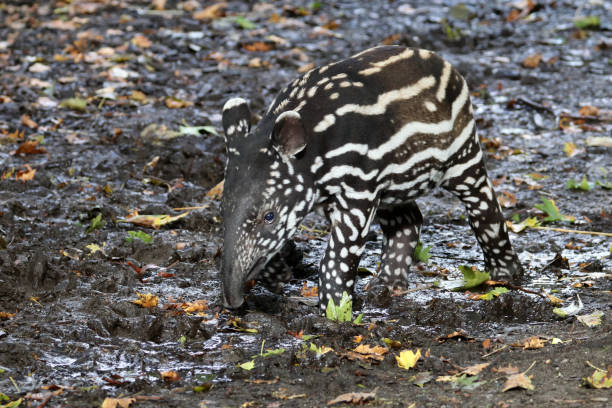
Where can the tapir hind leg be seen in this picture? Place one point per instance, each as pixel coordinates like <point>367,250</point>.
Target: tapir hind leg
<point>469,182</point>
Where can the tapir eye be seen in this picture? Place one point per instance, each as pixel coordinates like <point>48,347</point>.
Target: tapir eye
<point>269,217</point>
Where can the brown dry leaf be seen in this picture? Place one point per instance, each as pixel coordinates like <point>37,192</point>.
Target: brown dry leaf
<point>506,199</point>
<point>475,369</point>
<point>460,335</point>
<point>117,402</point>
<point>532,61</point>
<point>159,4</point>
<point>486,344</point>
<point>175,103</point>
<point>509,370</point>
<point>309,292</point>
<point>371,352</point>
<point>141,41</point>
<point>211,12</point>
<point>154,221</point>
<point>588,110</point>
<point>353,398</point>
<point>518,381</point>
<point>531,343</point>
<point>146,300</point>
<point>61,24</point>
<point>170,376</point>
<point>25,175</point>
<point>523,8</point>
<point>7,315</point>
<point>38,68</point>
<point>26,120</point>
<point>196,306</point>
<point>84,7</point>
<point>261,46</point>
<point>357,339</point>
<point>216,192</point>
<point>29,147</point>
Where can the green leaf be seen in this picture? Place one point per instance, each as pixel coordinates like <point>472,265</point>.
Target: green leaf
<point>77,104</point>
<point>569,310</point>
<point>552,212</point>
<point>12,404</point>
<point>3,397</point>
<point>358,319</point>
<point>141,235</point>
<point>572,184</point>
<point>96,223</point>
<point>604,184</point>
<point>345,310</point>
<point>422,253</point>
<point>244,23</point>
<point>493,293</point>
<point>468,382</point>
<point>269,353</point>
<point>182,340</point>
<point>588,23</point>
<point>330,312</point>
<point>249,365</point>
<point>195,130</point>
<point>472,277</point>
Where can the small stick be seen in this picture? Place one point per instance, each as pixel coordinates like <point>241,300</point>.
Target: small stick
<point>505,346</point>
<point>13,381</point>
<point>595,367</point>
<point>199,207</point>
<point>535,105</point>
<point>530,367</point>
<point>605,234</point>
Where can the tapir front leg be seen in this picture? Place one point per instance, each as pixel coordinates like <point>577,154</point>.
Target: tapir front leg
<point>338,270</point>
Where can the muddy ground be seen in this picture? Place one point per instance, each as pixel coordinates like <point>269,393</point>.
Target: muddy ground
<point>69,332</point>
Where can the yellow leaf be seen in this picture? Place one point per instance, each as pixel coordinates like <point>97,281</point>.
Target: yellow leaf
<point>195,306</point>
<point>154,221</point>
<point>217,191</point>
<point>93,248</point>
<point>556,340</point>
<point>555,301</point>
<point>591,319</point>
<point>570,149</point>
<point>600,379</point>
<point>408,359</point>
<point>141,41</point>
<point>117,402</point>
<point>518,381</point>
<point>170,376</point>
<point>146,300</point>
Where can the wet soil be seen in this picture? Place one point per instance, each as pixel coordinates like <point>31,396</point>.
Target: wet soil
<point>70,334</point>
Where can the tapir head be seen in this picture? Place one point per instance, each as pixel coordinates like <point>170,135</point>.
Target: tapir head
<point>265,198</point>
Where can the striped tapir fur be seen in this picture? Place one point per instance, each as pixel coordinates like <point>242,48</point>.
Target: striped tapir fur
<point>363,137</point>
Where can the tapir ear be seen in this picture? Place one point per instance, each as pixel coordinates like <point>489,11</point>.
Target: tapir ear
<point>236,118</point>
<point>288,136</point>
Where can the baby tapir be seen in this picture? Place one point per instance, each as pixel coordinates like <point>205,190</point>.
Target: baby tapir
<point>365,137</point>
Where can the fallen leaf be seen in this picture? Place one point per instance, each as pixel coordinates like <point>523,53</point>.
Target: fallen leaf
<point>76,104</point>
<point>258,46</point>
<point>309,291</point>
<point>6,315</point>
<point>249,365</point>
<point>353,398</point>
<point>554,300</point>
<point>170,376</point>
<point>38,68</point>
<point>146,300</point>
<point>531,343</point>
<point>532,61</point>
<point>26,120</point>
<point>196,306</point>
<point>571,149</point>
<point>154,221</point>
<point>216,192</point>
<point>117,402</point>
<point>518,381</point>
<point>141,41</point>
<point>371,352</point>
<point>591,319</point>
<point>569,310</point>
<point>408,359</point>
<point>216,10</point>
<point>25,175</point>
<point>600,379</point>
<point>175,103</point>
<point>29,147</point>
<point>475,369</point>
<point>509,370</point>
<point>472,277</point>
<point>589,110</point>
